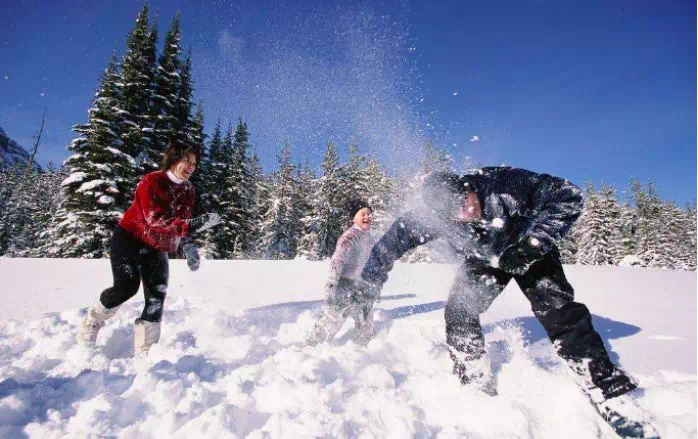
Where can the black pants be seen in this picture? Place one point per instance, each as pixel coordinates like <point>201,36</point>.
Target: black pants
<point>567,323</point>
<point>131,261</point>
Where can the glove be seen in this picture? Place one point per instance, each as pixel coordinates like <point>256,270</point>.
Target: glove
<point>192,254</point>
<point>204,222</point>
<point>518,258</point>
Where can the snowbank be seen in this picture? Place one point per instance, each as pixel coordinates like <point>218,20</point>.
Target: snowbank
<point>232,360</point>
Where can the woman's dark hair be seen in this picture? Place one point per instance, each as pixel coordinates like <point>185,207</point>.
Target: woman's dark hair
<point>175,151</point>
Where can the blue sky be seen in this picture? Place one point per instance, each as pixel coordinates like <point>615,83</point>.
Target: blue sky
<point>599,90</point>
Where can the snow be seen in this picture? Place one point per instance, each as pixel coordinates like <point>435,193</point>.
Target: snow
<point>106,199</point>
<point>75,177</point>
<point>232,360</point>
<point>630,261</point>
<point>94,184</point>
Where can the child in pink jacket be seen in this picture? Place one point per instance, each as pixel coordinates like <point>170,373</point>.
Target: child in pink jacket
<point>346,295</point>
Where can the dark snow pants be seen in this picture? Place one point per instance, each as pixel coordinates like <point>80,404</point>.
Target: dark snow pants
<point>567,323</point>
<point>131,261</point>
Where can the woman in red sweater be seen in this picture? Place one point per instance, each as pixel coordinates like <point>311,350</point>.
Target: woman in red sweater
<point>158,220</point>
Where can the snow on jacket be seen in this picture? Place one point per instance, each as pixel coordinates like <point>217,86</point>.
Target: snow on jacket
<point>516,204</point>
<point>160,213</point>
<point>350,255</point>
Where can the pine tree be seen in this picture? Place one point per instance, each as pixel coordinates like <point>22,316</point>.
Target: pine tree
<point>242,193</point>
<point>327,210</point>
<point>185,124</point>
<point>30,210</point>
<point>138,89</point>
<point>220,240</point>
<point>307,244</point>
<point>670,244</point>
<point>688,242</point>
<point>262,192</point>
<point>599,227</point>
<point>649,224</point>
<point>380,193</point>
<point>280,226</point>
<point>167,122</point>
<point>9,180</point>
<point>199,179</point>
<point>47,204</point>
<point>569,246</point>
<point>100,177</point>
<point>628,231</point>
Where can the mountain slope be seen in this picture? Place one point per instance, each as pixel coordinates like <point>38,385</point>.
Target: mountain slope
<point>11,152</point>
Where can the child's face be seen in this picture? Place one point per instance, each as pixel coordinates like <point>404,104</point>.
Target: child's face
<point>363,219</point>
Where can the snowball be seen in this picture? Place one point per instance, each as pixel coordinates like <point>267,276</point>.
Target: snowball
<point>498,223</point>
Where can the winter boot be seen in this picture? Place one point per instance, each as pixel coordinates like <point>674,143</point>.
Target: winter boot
<point>328,324</point>
<point>365,326</point>
<point>474,372</point>
<point>146,334</point>
<point>97,314</point>
<point>624,415</point>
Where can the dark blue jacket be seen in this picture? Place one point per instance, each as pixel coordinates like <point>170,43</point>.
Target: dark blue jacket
<point>516,204</point>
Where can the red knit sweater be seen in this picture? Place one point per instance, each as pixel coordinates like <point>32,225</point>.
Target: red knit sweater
<point>159,212</point>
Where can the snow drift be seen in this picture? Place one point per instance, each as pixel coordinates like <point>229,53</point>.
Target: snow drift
<point>232,360</point>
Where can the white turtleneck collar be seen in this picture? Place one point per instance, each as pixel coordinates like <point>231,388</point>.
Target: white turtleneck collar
<point>173,178</point>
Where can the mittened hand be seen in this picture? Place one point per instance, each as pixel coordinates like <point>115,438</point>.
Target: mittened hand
<point>518,258</point>
<point>204,222</point>
<point>192,254</point>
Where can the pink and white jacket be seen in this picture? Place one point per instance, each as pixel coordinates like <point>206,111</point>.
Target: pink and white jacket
<point>352,251</point>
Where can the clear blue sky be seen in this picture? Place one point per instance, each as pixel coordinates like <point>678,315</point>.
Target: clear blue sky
<point>600,90</point>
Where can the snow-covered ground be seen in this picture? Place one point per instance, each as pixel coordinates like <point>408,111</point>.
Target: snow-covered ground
<point>232,359</point>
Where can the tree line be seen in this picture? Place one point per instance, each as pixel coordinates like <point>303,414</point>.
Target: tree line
<point>143,100</point>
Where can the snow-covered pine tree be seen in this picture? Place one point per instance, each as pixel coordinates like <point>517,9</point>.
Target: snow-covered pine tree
<point>688,246</point>
<point>242,193</point>
<point>380,194</point>
<point>138,89</point>
<point>198,141</point>
<point>100,177</point>
<point>213,170</point>
<point>307,244</point>
<point>650,230</point>
<point>280,226</point>
<point>18,227</point>
<point>353,180</point>
<point>262,190</point>
<point>599,227</point>
<point>328,217</point>
<point>49,186</point>
<point>628,231</point>
<point>220,239</point>
<point>166,122</point>
<point>30,210</point>
<point>670,248</point>
<point>184,123</point>
<point>9,179</point>
<point>569,245</point>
